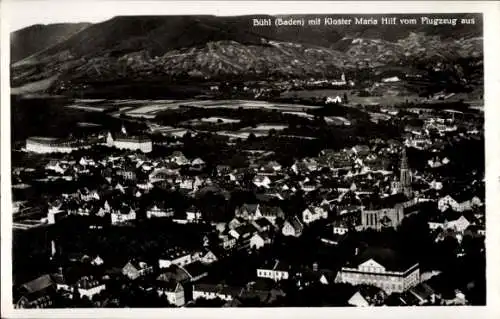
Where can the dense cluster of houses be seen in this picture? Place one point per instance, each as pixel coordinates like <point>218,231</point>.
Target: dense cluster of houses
<point>352,189</point>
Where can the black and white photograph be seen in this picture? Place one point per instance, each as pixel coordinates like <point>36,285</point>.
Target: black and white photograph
<point>253,160</point>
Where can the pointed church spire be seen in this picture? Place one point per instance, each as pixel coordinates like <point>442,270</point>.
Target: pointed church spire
<point>404,159</point>
<point>405,175</point>
<point>124,130</point>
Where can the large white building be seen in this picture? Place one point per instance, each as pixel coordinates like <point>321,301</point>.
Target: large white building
<point>44,145</point>
<point>380,267</point>
<point>133,143</point>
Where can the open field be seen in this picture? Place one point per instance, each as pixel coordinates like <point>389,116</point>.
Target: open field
<point>353,99</point>
<point>33,87</point>
<point>245,104</point>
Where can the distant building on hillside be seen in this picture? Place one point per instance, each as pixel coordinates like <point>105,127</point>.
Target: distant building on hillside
<point>127,142</point>
<point>44,145</point>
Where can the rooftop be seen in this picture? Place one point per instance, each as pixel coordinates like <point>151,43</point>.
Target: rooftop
<point>388,258</point>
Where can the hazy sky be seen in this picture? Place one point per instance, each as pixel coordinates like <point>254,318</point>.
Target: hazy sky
<point>22,13</point>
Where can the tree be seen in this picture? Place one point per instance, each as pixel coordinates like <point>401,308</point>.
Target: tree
<point>345,98</point>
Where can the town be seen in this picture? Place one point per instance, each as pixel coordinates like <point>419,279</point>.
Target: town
<point>244,204</point>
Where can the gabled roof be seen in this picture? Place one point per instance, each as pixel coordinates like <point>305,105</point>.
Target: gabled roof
<point>268,210</point>
<point>386,257</point>
<point>422,290</point>
<point>38,284</point>
<point>245,229</point>
<point>174,272</point>
<point>250,208</point>
<point>296,224</point>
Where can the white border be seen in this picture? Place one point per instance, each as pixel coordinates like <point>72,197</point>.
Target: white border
<point>82,10</point>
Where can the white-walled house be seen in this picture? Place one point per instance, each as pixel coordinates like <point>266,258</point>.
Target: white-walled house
<point>54,213</point>
<point>259,240</point>
<point>179,258</point>
<point>292,227</point>
<point>173,291</point>
<point>212,291</point>
<point>276,271</point>
<point>460,224</point>
<point>340,229</point>
<point>158,212</point>
<point>89,287</point>
<point>118,217</point>
<point>312,214</point>
<point>458,205</point>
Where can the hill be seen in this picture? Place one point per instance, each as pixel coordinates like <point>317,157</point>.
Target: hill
<point>33,39</point>
<point>201,48</point>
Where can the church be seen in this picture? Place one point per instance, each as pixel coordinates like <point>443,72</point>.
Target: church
<point>388,212</point>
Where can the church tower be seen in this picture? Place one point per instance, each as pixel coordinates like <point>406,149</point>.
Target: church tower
<point>124,130</point>
<point>109,140</point>
<point>405,175</point>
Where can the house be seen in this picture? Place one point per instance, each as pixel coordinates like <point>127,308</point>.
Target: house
<point>424,293</point>
<point>308,276</point>
<point>459,202</point>
<point>158,211</point>
<point>135,269</point>
<point>97,261</point>
<point>261,181</point>
<point>89,286</point>
<point>340,228</point>
<point>88,195</point>
<point>193,214</point>
<point>262,291</point>
<point>276,270</point>
<point>122,216</point>
<point>248,211</point>
<point>271,212</point>
<point>367,296</point>
<point>208,257</point>
<point>179,158</point>
<point>174,272</point>
<point>55,213</point>
<point>212,291</point>
<point>236,222</point>
<point>380,267</point>
<point>38,293</point>
<point>172,290</point>
<point>243,234</point>
<point>292,227</point>
<point>459,224</point>
<point>259,240</point>
<point>227,241</point>
<point>198,162</point>
<point>223,170</point>
<point>262,224</point>
<point>179,257</point>
<point>312,214</point>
